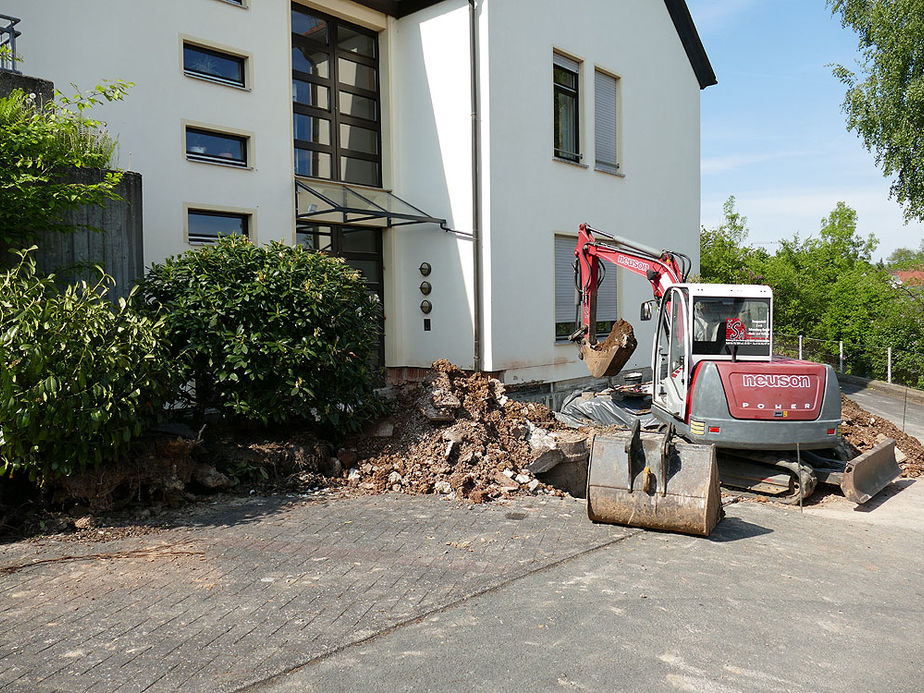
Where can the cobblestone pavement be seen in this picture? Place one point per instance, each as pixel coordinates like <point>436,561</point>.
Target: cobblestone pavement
<point>251,588</point>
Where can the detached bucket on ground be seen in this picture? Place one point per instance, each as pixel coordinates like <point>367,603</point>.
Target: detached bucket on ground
<point>653,481</point>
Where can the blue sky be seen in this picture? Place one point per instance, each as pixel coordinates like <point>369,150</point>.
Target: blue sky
<point>773,133</point>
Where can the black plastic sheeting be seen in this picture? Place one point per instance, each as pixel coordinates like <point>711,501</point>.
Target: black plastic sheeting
<point>616,409</point>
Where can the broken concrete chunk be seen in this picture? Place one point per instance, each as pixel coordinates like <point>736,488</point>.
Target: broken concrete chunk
<point>383,429</point>
<point>533,485</point>
<point>354,475</point>
<point>505,481</point>
<point>442,487</point>
<point>546,460</point>
<point>521,478</point>
<point>395,478</point>
<point>210,478</point>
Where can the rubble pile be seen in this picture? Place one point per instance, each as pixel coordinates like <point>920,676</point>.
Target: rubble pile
<point>459,435</point>
<point>864,431</point>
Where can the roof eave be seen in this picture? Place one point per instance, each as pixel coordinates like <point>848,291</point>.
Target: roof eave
<point>689,37</point>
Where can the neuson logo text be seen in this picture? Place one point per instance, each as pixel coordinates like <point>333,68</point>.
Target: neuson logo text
<point>632,262</point>
<point>763,380</point>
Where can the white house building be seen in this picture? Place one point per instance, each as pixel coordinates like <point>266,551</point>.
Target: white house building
<point>511,121</point>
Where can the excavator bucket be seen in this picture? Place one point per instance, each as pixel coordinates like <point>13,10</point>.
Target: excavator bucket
<point>868,474</point>
<point>609,356</point>
<point>650,480</point>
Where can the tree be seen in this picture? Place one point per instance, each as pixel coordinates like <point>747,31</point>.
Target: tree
<point>39,145</point>
<point>723,255</point>
<point>906,259</point>
<point>885,103</point>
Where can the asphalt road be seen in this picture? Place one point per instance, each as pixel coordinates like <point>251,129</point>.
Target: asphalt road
<point>905,412</point>
<point>775,600</point>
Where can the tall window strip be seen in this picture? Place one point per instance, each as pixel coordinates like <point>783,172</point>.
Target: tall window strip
<point>335,97</point>
<point>565,81</point>
<point>606,122</point>
<point>566,294</point>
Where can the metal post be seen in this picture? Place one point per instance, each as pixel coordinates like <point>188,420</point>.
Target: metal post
<point>800,347</point>
<point>840,358</point>
<point>889,365</point>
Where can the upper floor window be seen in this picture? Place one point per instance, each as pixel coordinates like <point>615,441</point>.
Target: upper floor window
<point>606,122</point>
<point>213,65</point>
<point>215,147</point>
<point>335,99</point>
<point>566,80</point>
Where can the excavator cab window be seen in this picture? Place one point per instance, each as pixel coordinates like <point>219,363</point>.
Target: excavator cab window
<point>725,325</point>
<point>672,356</point>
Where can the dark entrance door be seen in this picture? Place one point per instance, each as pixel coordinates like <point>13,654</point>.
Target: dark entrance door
<point>361,247</point>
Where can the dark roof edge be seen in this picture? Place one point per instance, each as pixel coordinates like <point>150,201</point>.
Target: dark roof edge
<point>689,37</point>
<point>678,10</point>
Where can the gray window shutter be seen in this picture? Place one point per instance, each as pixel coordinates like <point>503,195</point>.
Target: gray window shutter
<point>605,122</point>
<point>565,62</point>
<point>565,293</point>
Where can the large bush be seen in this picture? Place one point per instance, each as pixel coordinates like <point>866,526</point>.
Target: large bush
<point>270,334</point>
<point>79,377</point>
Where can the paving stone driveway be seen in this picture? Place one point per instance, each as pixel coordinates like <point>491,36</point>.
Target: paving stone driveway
<point>255,587</point>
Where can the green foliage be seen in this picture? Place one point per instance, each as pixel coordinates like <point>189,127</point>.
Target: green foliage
<point>79,377</point>
<point>906,259</point>
<point>724,259</point>
<point>828,288</point>
<point>270,334</point>
<point>885,103</point>
<point>39,144</point>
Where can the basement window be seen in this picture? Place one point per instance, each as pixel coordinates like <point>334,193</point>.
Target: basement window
<point>203,227</point>
<point>213,65</point>
<point>215,147</point>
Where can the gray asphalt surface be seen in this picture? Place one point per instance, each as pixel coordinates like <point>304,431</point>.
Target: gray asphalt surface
<point>775,600</point>
<point>905,412</point>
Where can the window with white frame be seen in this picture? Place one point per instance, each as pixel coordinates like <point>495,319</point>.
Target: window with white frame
<point>205,226</point>
<point>214,147</point>
<point>566,112</point>
<point>566,293</point>
<point>214,65</point>
<point>606,122</point>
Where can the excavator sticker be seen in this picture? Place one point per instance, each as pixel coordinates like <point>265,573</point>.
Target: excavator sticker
<point>736,332</point>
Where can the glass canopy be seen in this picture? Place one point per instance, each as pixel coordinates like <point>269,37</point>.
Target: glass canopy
<point>323,202</point>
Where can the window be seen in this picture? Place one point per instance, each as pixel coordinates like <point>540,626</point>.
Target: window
<point>566,293</point>
<point>204,226</point>
<point>213,65</point>
<point>335,99</point>
<point>215,147</point>
<point>565,78</point>
<point>606,122</point>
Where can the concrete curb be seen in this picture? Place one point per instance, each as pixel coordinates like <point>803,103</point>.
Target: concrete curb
<point>913,394</point>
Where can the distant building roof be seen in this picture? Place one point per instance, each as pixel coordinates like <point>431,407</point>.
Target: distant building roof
<point>678,10</point>
<point>910,277</point>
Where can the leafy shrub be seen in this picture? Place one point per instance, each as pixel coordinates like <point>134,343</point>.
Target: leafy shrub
<point>79,377</point>
<point>270,334</point>
<point>39,145</point>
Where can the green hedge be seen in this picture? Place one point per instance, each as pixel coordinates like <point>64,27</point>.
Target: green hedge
<point>79,377</point>
<point>270,334</point>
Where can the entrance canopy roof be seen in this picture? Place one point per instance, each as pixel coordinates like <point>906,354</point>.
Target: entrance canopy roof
<point>325,202</point>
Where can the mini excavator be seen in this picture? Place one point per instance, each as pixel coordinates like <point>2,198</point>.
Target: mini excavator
<point>729,411</point>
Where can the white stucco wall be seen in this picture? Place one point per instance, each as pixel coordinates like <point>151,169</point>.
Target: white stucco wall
<point>85,42</point>
<point>534,196</point>
<point>431,168</point>
<point>527,196</point>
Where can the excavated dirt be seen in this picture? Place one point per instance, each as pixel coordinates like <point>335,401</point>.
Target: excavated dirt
<point>457,435</point>
<point>864,431</point>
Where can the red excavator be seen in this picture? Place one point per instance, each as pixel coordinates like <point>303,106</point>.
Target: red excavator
<point>728,409</point>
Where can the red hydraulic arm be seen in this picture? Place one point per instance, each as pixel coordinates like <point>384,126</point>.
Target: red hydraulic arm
<point>663,268</point>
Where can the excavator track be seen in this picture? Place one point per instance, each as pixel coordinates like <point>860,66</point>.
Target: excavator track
<point>757,475</point>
